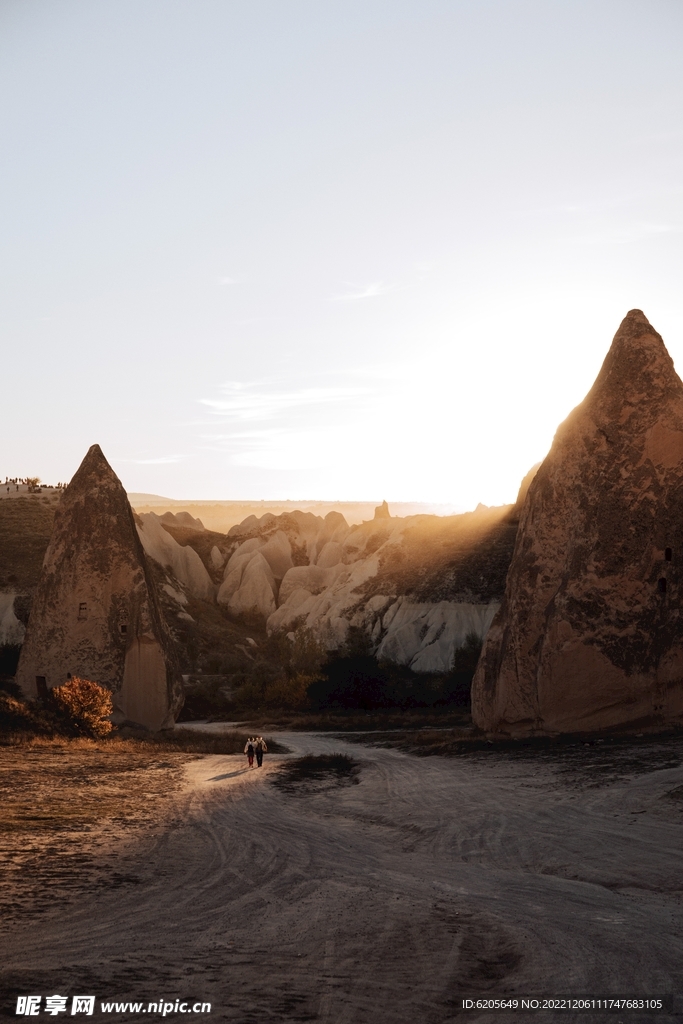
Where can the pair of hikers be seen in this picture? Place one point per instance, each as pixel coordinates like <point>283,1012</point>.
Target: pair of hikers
<point>255,745</point>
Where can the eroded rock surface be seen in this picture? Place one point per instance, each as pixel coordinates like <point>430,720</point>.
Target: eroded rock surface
<point>589,635</point>
<point>95,612</point>
<point>183,561</point>
<point>418,586</point>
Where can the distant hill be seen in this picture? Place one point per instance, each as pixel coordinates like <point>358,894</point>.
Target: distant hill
<point>220,516</point>
<point>25,528</point>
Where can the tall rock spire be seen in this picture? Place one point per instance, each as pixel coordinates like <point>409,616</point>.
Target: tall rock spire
<point>589,635</point>
<point>95,612</point>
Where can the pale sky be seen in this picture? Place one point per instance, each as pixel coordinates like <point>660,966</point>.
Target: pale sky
<point>341,250</point>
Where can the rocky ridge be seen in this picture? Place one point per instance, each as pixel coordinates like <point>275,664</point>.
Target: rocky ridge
<point>589,635</point>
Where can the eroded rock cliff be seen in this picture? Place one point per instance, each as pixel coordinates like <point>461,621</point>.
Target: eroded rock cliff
<point>589,635</point>
<point>95,612</point>
<point>418,586</point>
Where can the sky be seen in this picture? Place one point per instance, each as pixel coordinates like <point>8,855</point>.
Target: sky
<point>354,250</point>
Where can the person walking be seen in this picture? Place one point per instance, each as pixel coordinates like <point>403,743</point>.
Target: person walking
<point>249,751</point>
<point>261,749</point>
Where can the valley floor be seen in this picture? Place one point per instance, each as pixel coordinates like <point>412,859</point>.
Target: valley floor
<point>387,901</point>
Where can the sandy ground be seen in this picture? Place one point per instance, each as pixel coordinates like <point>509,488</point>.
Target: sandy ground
<point>68,814</point>
<point>387,901</point>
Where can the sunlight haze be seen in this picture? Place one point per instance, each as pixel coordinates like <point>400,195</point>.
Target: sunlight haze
<point>341,251</point>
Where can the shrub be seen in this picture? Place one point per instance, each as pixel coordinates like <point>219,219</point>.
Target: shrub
<point>352,681</point>
<point>353,678</point>
<point>16,715</point>
<point>458,682</point>
<point>307,652</point>
<point>86,705</point>
<point>281,673</point>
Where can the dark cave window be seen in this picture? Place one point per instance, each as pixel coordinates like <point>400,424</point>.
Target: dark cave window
<point>662,586</point>
<point>82,610</point>
<point>667,554</point>
<point>123,629</point>
<point>41,687</point>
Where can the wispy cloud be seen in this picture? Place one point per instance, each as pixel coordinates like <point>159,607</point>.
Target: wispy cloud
<point>272,424</point>
<point>261,401</point>
<point>369,291</point>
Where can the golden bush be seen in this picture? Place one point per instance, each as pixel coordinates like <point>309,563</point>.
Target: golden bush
<point>87,704</point>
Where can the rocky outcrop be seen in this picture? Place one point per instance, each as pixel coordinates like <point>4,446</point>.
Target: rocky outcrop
<point>184,520</point>
<point>382,511</point>
<point>183,561</point>
<point>301,570</point>
<point>425,636</point>
<point>95,612</point>
<point>589,635</point>
<point>249,586</point>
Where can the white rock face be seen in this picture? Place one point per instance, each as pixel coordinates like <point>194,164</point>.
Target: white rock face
<point>247,547</point>
<point>234,571</point>
<point>177,595</point>
<point>11,629</point>
<point>330,555</point>
<point>255,594</point>
<point>277,552</point>
<point>184,562</point>
<point>308,577</point>
<point>425,636</point>
<point>328,608</point>
<point>216,557</point>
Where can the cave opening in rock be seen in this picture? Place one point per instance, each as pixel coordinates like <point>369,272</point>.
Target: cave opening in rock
<point>667,554</point>
<point>662,586</point>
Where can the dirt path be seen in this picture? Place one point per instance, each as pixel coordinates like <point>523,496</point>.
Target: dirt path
<point>386,901</point>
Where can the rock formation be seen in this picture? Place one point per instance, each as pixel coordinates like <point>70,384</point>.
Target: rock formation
<point>301,570</point>
<point>382,511</point>
<point>183,519</point>
<point>589,635</point>
<point>418,585</point>
<point>95,612</point>
<point>184,563</point>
